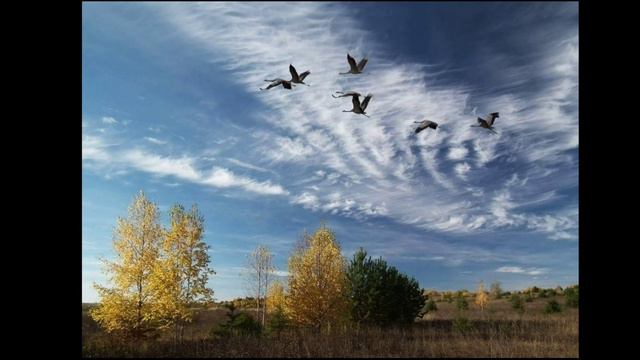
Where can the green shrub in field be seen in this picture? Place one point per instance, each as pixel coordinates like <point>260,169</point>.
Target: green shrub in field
<point>517,303</point>
<point>571,297</point>
<point>380,294</point>
<point>528,298</point>
<point>461,303</point>
<point>543,294</point>
<point>462,325</point>
<point>237,324</point>
<point>552,307</point>
<point>278,322</point>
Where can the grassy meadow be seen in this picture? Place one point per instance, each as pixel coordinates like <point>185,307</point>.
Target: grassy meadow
<point>498,331</point>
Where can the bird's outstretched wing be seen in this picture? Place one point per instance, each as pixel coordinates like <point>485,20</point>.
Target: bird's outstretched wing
<point>362,63</point>
<point>294,73</point>
<point>431,124</point>
<point>304,75</point>
<point>420,128</point>
<point>286,84</point>
<point>355,100</point>
<point>348,93</point>
<point>274,83</point>
<point>352,63</point>
<point>365,102</point>
<point>491,118</point>
<point>482,121</point>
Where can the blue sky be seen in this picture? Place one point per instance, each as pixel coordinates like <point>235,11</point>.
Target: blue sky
<point>171,106</point>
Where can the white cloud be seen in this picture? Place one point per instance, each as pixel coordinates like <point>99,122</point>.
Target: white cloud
<point>109,120</point>
<point>154,140</point>
<point>247,165</point>
<point>183,168</point>
<point>511,269</point>
<point>223,178</point>
<point>519,270</point>
<point>287,149</point>
<point>462,169</point>
<point>282,273</point>
<point>458,153</point>
<point>307,200</point>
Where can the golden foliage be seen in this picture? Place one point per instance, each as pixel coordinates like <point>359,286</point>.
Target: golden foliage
<point>276,298</point>
<point>136,242</point>
<point>317,281</point>
<point>482,298</point>
<point>181,275</point>
<point>159,273</point>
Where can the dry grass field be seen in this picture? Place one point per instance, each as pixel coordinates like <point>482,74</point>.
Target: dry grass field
<point>498,331</point>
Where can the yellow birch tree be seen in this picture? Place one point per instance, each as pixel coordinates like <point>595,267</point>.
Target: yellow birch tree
<point>317,281</point>
<point>482,298</point>
<point>276,298</point>
<point>126,307</point>
<point>181,275</point>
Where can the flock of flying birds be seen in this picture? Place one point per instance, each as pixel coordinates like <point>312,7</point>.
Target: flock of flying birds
<point>360,107</point>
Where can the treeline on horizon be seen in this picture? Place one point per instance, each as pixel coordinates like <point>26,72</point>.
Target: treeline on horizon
<point>159,279</point>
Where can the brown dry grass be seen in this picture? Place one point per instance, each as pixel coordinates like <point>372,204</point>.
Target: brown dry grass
<point>496,332</point>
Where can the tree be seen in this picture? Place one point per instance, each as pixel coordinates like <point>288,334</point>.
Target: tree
<point>276,298</point>
<point>126,307</point>
<point>237,324</point>
<point>482,299</point>
<point>276,306</point>
<point>571,297</point>
<point>181,276</point>
<point>317,281</point>
<point>496,290</point>
<point>380,294</point>
<point>260,271</point>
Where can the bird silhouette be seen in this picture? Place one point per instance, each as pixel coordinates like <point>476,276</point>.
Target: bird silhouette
<point>298,79</point>
<point>487,122</point>
<point>355,68</point>
<point>359,108</point>
<point>425,124</point>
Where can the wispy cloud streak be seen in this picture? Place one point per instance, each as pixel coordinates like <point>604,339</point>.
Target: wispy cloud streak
<point>383,168</point>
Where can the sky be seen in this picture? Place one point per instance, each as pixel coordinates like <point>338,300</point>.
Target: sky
<point>171,106</point>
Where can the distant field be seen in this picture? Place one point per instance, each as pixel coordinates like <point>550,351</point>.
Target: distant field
<point>497,332</point>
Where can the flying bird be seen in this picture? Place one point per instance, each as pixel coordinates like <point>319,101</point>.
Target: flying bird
<point>298,79</point>
<point>487,122</point>
<point>275,82</point>
<point>355,69</point>
<point>357,107</point>
<point>425,124</point>
<point>348,93</point>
